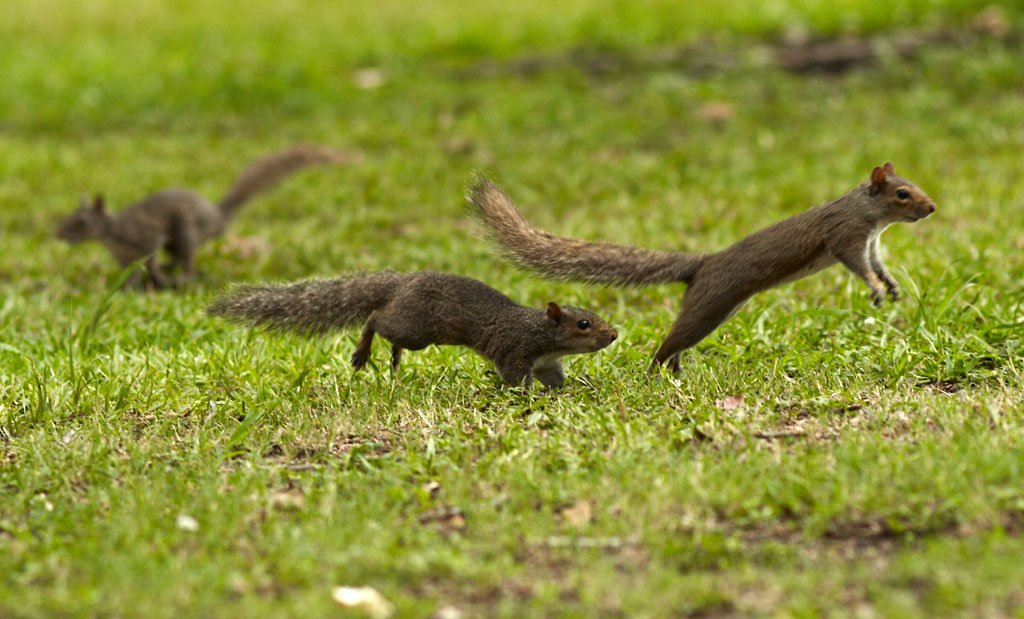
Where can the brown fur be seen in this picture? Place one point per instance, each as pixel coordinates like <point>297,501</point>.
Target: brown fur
<point>414,310</point>
<point>179,220</point>
<point>845,230</point>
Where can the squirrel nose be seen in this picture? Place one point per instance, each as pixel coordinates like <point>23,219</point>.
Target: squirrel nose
<point>931,208</point>
<point>614,334</point>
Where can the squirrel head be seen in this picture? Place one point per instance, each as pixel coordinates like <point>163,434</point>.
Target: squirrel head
<point>900,199</point>
<point>579,330</point>
<point>85,223</point>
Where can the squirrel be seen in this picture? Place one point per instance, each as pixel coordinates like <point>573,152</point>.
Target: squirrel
<point>179,220</point>
<point>844,230</point>
<point>414,310</point>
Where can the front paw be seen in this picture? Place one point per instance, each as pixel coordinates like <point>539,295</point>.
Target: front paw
<point>894,291</point>
<point>876,297</point>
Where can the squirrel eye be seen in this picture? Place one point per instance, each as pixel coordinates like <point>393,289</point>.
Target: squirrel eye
<point>583,325</point>
<point>902,194</point>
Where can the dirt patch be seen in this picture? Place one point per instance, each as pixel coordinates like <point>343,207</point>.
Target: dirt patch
<point>792,52</point>
<point>947,387</point>
<point>309,457</point>
<point>853,537</point>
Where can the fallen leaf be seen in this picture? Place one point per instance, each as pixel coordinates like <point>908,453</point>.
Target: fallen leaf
<point>448,612</point>
<point>729,403</point>
<point>460,145</point>
<point>369,78</point>
<point>186,523</point>
<point>365,598</point>
<point>432,488</point>
<point>238,584</point>
<point>991,21</point>
<point>288,500</point>
<point>577,514</point>
<point>716,112</point>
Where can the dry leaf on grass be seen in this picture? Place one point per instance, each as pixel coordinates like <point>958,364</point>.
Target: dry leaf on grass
<point>288,500</point>
<point>448,612</point>
<point>716,112</point>
<point>186,523</point>
<point>432,488</point>
<point>365,598</point>
<point>369,78</point>
<point>577,514</point>
<point>730,403</point>
<point>991,21</point>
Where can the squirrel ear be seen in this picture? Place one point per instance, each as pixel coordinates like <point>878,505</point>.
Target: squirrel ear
<point>877,176</point>
<point>554,312</point>
<point>97,203</point>
<point>888,168</point>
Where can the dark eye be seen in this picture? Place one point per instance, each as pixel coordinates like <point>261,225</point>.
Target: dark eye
<point>583,325</point>
<point>902,194</point>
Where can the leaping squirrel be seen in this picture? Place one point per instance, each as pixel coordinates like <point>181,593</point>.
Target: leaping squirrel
<point>845,230</point>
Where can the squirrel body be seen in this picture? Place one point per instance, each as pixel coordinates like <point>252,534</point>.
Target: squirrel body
<point>414,310</point>
<point>844,230</point>
<point>179,220</point>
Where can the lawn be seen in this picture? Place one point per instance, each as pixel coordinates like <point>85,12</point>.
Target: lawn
<point>815,456</point>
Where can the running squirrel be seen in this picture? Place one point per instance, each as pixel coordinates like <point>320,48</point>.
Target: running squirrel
<point>844,230</point>
<point>179,220</point>
<point>414,310</point>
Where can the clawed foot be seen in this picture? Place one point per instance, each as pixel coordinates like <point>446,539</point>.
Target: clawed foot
<point>673,366</point>
<point>359,360</point>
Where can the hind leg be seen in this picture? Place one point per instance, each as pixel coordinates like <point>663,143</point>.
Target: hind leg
<point>396,357</point>
<point>704,309</point>
<point>156,274</point>
<point>182,246</point>
<point>362,352</point>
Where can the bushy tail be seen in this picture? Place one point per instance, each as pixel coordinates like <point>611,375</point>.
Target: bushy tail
<point>311,306</point>
<point>563,258</point>
<point>264,173</point>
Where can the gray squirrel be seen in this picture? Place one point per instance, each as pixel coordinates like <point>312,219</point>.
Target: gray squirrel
<point>414,310</point>
<point>178,220</point>
<point>844,230</point>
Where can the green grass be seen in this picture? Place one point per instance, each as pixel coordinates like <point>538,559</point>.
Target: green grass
<point>894,488</point>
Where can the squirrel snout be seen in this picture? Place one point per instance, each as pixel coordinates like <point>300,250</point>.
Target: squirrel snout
<point>931,207</point>
<point>614,335</point>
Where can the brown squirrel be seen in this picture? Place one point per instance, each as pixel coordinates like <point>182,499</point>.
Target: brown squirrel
<point>179,220</point>
<point>844,230</point>
<point>414,310</point>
